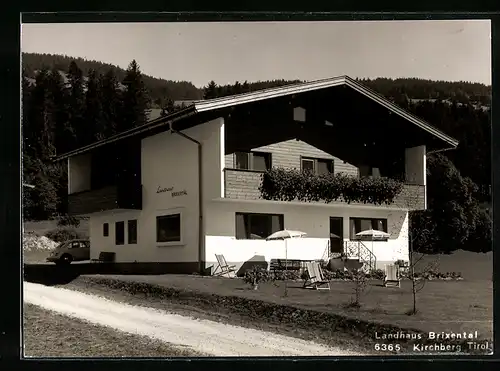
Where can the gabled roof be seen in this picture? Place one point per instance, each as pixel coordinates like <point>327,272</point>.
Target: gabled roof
<point>234,100</point>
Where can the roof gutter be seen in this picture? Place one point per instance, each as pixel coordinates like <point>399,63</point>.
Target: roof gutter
<point>377,97</point>
<point>201,226</point>
<point>440,150</point>
<point>189,111</point>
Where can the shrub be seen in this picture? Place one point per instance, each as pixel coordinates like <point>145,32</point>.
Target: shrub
<point>256,275</point>
<point>376,274</point>
<point>338,275</point>
<point>287,275</point>
<point>288,185</point>
<point>63,234</point>
<point>434,275</point>
<point>68,221</point>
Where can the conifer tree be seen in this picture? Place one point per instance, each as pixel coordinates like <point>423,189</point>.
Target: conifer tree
<point>93,108</point>
<point>42,142</point>
<point>135,99</point>
<point>63,134</point>
<point>76,105</point>
<point>110,102</point>
<point>245,87</point>
<point>39,121</point>
<point>237,88</point>
<point>210,90</point>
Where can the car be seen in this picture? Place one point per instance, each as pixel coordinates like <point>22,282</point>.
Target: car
<point>70,251</point>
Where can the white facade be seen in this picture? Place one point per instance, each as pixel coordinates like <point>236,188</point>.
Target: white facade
<point>311,219</point>
<point>169,164</point>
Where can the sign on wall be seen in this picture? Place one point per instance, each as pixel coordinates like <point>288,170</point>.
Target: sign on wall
<point>172,192</point>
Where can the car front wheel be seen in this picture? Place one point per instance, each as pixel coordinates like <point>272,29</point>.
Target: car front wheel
<point>65,259</point>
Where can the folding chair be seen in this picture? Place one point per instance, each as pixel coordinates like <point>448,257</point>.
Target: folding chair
<point>391,278</point>
<point>225,269</point>
<point>315,279</point>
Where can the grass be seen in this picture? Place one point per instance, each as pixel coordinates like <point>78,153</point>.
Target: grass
<point>473,266</point>
<point>324,316</point>
<point>200,308</point>
<point>48,334</point>
<point>35,256</point>
<point>443,305</point>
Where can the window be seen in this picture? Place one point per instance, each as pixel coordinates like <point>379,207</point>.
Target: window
<point>362,224</point>
<point>77,245</point>
<point>242,160</point>
<point>105,229</point>
<point>325,167</point>
<point>308,165</point>
<point>120,233</point>
<point>260,161</point>
<point>168,228</point>
<point>132,231</point>
<point>368,171</point>
<point>317,166</point>
<point>257,226</point>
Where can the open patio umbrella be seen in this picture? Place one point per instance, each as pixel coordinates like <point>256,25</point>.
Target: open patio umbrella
<point>285,235</point>
<point>373,234</point>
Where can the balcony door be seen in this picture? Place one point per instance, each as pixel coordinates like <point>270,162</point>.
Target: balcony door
<point>336,234</point>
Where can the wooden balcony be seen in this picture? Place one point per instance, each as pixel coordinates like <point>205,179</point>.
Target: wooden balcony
<point>244,185</point>
<point>106,198</point>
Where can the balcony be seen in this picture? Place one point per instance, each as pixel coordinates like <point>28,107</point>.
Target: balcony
<point>244,185</point>
<point>106,198</point>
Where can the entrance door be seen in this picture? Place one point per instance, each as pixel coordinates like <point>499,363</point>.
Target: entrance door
<point>336,234</point>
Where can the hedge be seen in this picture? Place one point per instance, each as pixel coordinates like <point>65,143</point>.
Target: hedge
<point>280,184</point>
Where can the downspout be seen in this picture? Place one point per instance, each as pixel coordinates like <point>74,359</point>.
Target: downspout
<point>201,229</point>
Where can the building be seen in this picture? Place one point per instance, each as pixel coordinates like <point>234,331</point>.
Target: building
<point>171,194</point>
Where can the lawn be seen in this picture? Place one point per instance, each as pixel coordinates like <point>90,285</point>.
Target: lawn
<point>449,306</point>
<point>319,316</point>
<point>472,266</point>
<point>35,256</point>
<point>48,334</point>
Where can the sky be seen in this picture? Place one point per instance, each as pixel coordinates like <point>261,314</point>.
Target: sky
<point>252,51</point>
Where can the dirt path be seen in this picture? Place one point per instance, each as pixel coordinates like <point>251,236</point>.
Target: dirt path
<point>201,335</point>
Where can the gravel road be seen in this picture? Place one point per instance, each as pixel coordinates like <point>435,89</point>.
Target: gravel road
<point>201,335</point>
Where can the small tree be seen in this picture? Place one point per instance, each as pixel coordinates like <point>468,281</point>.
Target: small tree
<point>360,286</point>
<point>418,280</point>
<point>410,202</point>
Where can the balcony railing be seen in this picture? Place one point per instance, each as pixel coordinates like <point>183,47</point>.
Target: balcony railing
<point>244,185</point>
<point>106,198</point>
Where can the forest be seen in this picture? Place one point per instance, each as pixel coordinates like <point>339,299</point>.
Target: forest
<point>70,102</point>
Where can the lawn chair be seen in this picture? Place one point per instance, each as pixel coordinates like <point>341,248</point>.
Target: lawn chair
<point>315,279</point>
<point>391,278</point>
<point>225,269</point>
